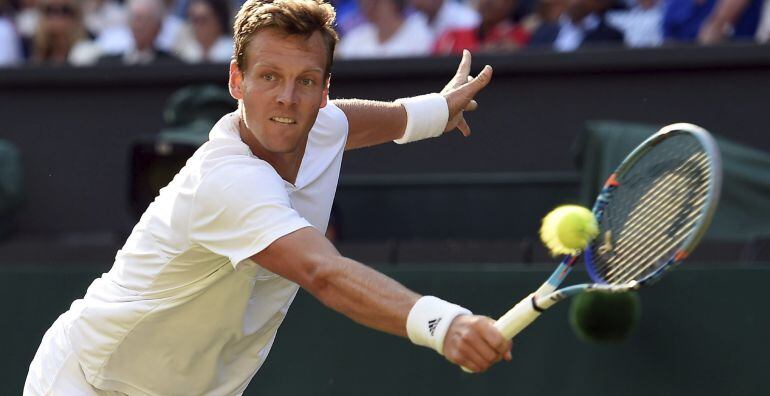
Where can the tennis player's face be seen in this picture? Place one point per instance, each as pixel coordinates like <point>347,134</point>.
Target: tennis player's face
<point>281,90</point>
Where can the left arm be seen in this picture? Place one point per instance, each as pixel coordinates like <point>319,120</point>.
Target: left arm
<point>371,123</point>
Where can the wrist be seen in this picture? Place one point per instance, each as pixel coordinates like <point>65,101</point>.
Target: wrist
<point>426,117</point>
<point>429,320</point>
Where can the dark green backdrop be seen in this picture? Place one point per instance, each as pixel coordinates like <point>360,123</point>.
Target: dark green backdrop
<point>703,331</point>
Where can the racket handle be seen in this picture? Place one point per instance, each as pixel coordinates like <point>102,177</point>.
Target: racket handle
<point>518,317</point>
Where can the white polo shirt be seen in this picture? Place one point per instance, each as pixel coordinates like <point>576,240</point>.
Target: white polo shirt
<point>184,311</point>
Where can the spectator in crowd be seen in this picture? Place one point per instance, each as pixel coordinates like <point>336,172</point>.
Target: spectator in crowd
<point>495,33</point>
<point>445,15</point>
<point>10,43</point>
<point>172,35</point>
<point>145,18</point>
<point>763,30</point>
<point>210,23</point>
<point>100,15</point>
<point>388,33</point>
<point>60,36</point>
<point>710,21</point>
<point>583,24</point>
<point>348,15</point>
<point>545,12</point>
<point>641,24</point>
<point>26,18</point>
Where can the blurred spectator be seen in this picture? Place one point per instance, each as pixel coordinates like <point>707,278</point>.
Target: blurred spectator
<point>210,23</point>
<point>145,18</point>
<point>60,36</point>
<point>763,31</point>
<point>27,16</point>
<point>10,43</point>
<point>445,15</point>
<point>388,33</point>
<point>496,32</point>
<point>348,15</point>
<point>103,14</point>
<point>583,24</point>
<point>172,35</point>
<point>545,12</point>
<point>710,21</point>
<point>642,24</point>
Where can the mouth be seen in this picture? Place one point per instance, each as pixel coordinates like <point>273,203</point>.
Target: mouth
<point>284,120</point>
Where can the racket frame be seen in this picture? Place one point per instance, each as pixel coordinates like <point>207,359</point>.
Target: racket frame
<point>528,309</point>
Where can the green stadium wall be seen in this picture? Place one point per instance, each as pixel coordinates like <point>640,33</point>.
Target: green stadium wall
<point>703,331</point>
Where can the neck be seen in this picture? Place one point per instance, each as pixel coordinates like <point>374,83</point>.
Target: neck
<point>285,164</point>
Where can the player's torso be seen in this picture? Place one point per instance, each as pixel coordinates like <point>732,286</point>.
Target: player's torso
<point>174,318</point>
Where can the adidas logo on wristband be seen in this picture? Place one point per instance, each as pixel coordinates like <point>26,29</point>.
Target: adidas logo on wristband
<point>432,324</point>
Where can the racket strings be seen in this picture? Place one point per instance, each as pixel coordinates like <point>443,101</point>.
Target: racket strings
<point>654,212</point>
<point>646,238</point>
<point>660,251</point>
<point>643,244</point>
<point>643,236</point>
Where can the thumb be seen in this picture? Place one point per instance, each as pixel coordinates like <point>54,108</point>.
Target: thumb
<point>477,83</point>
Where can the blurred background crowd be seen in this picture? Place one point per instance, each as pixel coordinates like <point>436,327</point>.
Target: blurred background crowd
<point>87,32</point>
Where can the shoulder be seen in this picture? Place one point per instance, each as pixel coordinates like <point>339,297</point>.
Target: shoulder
<point>331,119</point>
<point>237,181</point>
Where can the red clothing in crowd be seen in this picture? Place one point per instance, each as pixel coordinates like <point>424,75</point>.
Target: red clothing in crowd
<point>503,36</point>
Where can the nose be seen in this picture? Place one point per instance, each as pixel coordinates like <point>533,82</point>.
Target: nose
<point>287,95</point>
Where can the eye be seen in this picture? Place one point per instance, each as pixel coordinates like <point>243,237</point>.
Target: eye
<point>306,82</point>
<point>268,77</point>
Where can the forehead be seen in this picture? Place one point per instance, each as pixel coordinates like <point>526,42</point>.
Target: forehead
<point>278,49</point>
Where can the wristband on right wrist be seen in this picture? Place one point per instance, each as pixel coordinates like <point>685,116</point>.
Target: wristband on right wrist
<point>429,320</point>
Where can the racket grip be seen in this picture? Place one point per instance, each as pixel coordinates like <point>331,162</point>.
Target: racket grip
<point>518,317</point>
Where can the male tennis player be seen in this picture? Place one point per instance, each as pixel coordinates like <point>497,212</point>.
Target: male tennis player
<point>197,293</point>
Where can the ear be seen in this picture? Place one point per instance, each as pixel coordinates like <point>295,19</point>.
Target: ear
<point>235,81</point>
<point>325,93</point>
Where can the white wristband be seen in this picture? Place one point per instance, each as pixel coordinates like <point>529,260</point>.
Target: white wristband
<point>429,320</point>
<point>426,117</point>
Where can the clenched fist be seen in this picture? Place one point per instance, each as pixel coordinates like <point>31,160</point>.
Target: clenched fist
<point>474,343</point>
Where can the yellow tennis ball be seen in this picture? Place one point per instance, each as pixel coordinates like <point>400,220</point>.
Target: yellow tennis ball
<point>568,229</point>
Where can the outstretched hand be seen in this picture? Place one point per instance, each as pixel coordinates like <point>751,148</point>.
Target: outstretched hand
<point>461,90</point>
<point>473,342</point>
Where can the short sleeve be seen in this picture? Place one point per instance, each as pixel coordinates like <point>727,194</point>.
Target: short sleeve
<point>238,211</point>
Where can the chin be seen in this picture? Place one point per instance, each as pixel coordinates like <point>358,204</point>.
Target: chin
<point>282,147</point>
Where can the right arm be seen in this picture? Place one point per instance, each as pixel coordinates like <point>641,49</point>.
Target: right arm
<point>373,299</point>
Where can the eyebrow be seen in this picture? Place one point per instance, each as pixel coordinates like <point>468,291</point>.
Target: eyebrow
<point>271,66</point>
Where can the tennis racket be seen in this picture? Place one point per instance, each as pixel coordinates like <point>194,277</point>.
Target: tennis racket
<point>652,212</point>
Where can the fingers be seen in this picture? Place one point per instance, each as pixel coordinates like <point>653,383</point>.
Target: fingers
<point>472,105</point>
<point>474,343</point>
<point>496,342</point>
<point>464,68</point>
<point>463,127</point>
